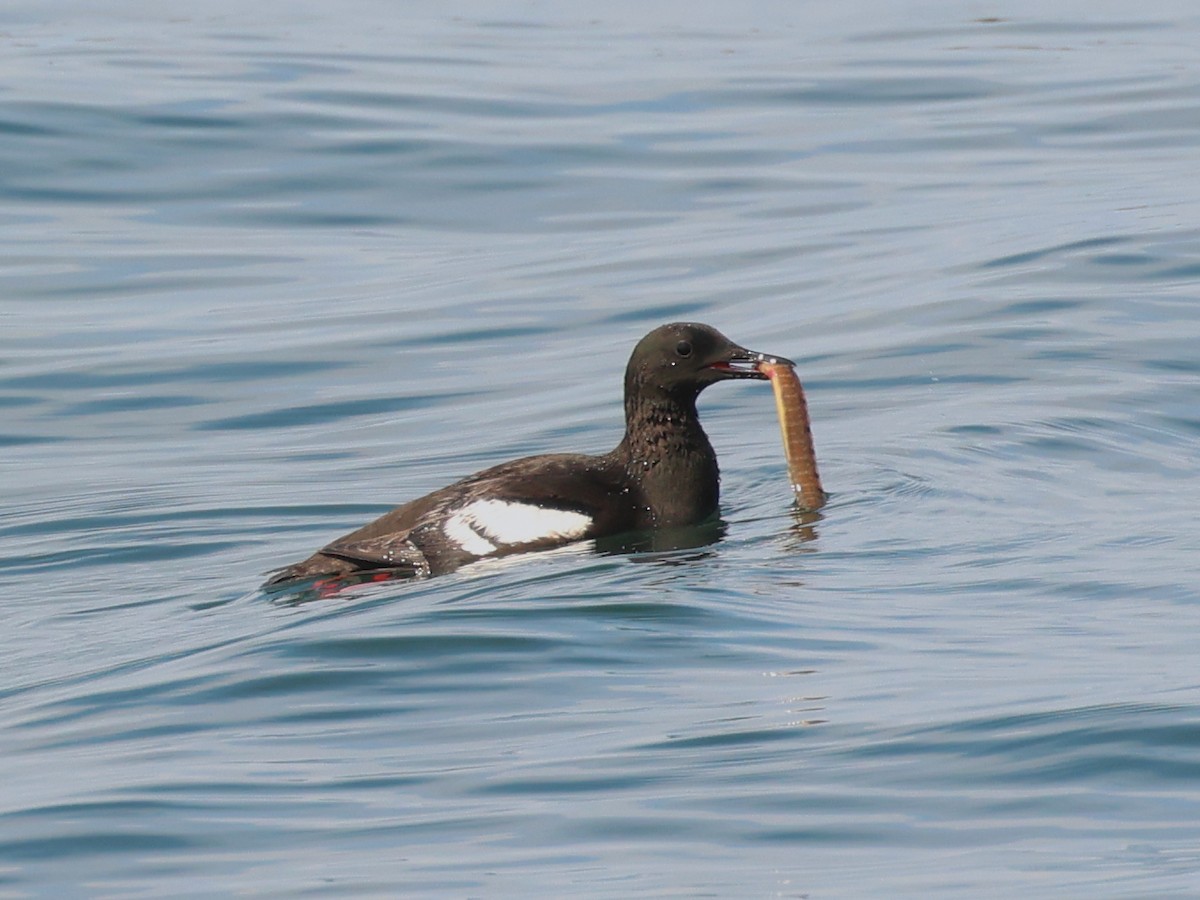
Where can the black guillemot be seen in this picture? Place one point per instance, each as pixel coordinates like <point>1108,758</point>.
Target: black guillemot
<point>663,474</point>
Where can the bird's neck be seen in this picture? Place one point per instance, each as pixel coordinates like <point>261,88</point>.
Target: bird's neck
<point>667,453</point>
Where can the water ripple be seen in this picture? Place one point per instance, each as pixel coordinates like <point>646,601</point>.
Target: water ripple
<point>263,282</point>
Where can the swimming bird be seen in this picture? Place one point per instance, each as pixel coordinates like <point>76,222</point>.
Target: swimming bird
<point>662,474</point>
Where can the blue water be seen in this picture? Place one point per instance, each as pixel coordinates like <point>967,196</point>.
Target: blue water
<point>265,274</point>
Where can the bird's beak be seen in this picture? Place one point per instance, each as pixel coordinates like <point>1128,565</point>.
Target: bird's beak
<point>743,363</point>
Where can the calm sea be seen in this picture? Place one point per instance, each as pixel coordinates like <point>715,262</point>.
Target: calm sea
<point>267,270</point>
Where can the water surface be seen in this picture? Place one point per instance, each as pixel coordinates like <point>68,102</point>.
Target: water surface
<point>266,274</point>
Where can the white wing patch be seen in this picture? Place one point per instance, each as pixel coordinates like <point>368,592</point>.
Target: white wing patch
<point>484,526</point>
<point>460,529</point>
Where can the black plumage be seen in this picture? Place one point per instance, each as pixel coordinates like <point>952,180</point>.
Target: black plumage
<point>663,473</point>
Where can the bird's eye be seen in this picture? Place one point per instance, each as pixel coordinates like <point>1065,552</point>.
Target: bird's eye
<point>684,349</point>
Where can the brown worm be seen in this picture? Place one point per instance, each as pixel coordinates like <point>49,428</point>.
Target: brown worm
<point>797,433</point>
